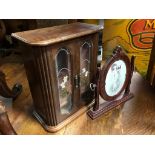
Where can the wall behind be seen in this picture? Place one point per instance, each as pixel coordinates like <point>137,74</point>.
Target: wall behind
<point>134,35</point>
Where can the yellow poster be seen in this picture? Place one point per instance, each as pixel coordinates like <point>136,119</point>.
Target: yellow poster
<point>135,36</point>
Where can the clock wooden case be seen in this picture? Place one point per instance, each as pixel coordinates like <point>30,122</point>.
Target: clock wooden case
<point>112,83</point>
<point>60,63</point>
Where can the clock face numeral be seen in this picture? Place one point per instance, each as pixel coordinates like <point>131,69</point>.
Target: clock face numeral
<point>115,78</point>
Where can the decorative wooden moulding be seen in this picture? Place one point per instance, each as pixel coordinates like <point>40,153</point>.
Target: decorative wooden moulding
<point>60,63</point>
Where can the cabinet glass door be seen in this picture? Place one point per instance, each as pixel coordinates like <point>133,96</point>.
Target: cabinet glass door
<point>85,57</point>
<point>63,71</point>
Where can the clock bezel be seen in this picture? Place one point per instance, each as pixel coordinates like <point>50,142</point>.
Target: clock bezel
<point>118,55</point>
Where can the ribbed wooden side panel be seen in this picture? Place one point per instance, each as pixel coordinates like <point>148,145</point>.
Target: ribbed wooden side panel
<point>45,85</point>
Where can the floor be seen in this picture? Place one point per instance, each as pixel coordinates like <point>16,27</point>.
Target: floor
<point>136,116</point>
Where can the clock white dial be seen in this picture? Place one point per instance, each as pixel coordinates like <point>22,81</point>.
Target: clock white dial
<point>115,78</point>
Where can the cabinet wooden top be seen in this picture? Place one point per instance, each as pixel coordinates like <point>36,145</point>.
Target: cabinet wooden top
<point>55,34</point>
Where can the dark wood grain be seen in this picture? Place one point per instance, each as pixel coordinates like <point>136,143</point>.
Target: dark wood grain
<point>42,69</point>
<point>55,34</point>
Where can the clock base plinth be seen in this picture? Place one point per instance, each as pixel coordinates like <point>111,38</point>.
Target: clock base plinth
<point>105,107</point>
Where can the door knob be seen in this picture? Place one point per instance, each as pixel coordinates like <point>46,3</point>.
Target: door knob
<point>76,81</point>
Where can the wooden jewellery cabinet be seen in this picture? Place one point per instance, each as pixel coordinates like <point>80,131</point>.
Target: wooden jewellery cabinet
<point>60,63</point>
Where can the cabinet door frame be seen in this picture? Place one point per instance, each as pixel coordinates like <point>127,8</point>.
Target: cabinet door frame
<point>74,48</point>
<point>93,40</point>
<point>71,46</point>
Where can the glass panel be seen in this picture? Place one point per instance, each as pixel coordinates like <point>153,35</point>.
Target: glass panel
<point>84,68</point>
<point>115,78</point>
<point>63,68</point>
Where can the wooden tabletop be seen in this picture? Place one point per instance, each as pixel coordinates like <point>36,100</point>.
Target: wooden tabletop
<point>55,34</point>
<point>136,116</point>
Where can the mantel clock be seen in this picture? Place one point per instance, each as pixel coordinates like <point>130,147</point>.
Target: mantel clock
<point>112,83</point>
<point>60,63</point>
